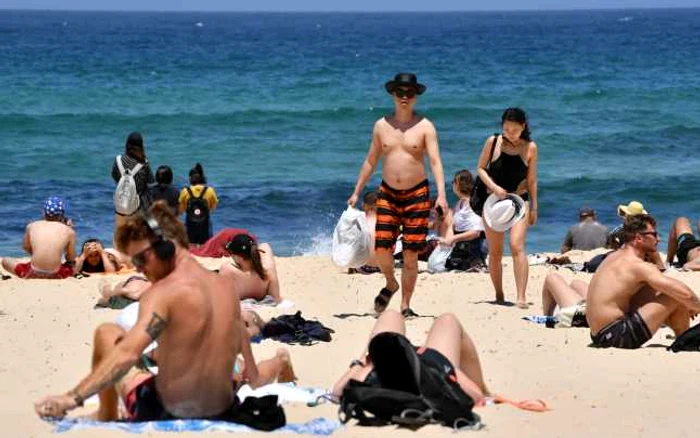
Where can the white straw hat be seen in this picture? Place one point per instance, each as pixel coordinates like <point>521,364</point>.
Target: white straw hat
<point>501,214</point>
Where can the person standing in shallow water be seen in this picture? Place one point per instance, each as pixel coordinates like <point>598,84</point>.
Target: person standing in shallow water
<point>134,154</point>
<point>508,164</point>
<point>402,140</point>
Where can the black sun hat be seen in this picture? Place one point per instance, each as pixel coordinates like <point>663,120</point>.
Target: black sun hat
<point>405,80</point>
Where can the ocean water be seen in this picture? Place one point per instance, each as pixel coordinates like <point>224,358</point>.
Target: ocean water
<point>279,109</point>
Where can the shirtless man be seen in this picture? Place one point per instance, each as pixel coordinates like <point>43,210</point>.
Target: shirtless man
<point>683,244</point>
<point>628,298</point>
<point>402,139</point>
<point>255,273</point>
<point>46,241</point>
<point>195,318</point>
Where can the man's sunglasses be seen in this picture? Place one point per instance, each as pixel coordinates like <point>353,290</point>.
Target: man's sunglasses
<point>139,259</point>
<point>409,93</point>
<point>650,233</point>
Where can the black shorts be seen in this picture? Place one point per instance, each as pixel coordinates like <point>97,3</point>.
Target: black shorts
<point>434,358</point>
<point>629,332</point>
<point>686,242</point>
<point>143,404</point>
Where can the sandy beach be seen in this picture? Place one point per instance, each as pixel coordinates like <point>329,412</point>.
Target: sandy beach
<point>47,331</point>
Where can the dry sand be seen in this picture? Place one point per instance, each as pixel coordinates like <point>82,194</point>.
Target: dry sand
<point>47,331</point>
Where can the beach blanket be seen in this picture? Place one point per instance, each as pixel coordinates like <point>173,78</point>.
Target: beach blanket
<point>216,245</point>
<point>317,426</point>
<point>268,301</point>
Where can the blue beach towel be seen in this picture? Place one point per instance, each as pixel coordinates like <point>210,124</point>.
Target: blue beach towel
<point>541,319</point>
<point>318,426</point>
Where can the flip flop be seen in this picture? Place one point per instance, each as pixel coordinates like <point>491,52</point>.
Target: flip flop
<point>381,301</point>
<point>525,405</point>
<point>408,313</point>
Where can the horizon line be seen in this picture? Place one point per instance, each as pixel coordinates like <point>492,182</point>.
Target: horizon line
<point>315,11</point>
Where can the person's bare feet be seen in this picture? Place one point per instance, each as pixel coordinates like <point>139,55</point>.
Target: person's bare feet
<point>522,304</point>
<point>500,299</point>
<point>286,373</point>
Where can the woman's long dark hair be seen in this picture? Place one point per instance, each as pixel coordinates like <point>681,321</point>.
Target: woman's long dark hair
<point>257,262</point>
<point>197,175</point>
<point>134,147</point>
<point>517,115</point>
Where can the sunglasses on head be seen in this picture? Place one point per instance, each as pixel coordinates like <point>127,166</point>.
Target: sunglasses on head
<point>405,92</point>
<point>139,259</point>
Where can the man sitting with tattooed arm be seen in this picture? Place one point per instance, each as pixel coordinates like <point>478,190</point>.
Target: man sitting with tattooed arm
<point>196,320</point>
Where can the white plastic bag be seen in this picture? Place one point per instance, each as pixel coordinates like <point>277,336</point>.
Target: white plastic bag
<point>351,239</point>
<point>438,258</point>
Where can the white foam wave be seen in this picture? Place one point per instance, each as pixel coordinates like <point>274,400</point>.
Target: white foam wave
<point>320,245</point>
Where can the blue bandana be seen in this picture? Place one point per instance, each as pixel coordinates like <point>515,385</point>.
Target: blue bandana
<point>53,207</point>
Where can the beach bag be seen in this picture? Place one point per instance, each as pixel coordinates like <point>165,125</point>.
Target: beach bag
<point>689,340</point>
<point>294,329</point>
<point>466,255</point>
<point>351,239</point>
<point>593,264</point>
<point>406,390</point>
<point>197,217</point>
<point>126,197</point>
<point>438,259</point>
<point>261,413</point>
<point>479,193</point>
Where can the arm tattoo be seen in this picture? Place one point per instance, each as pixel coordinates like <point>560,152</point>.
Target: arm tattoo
<point>156,326</point>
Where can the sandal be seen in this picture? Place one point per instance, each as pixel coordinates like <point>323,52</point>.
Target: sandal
<point>381,301</point>
<point>408,313</point>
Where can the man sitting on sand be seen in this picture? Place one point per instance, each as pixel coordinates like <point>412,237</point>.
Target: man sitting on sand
<point>195,318</point>
<point>683,244</point>
<point>46,241</point>
<point>255,271</point>
<point>587,234</point>
<point>629,299</point>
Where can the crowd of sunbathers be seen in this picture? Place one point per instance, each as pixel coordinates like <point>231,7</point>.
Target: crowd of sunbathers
<point>193,314</point>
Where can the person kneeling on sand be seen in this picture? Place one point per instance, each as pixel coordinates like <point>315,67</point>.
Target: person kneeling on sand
<point>255,272</point>
<point>683,244</point>
<point>629,299</point>
<point>196,320</point>
<point>447,346</point>
<point>46,241</point>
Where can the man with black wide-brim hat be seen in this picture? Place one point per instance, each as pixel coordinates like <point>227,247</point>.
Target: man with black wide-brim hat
<point>402,140</point>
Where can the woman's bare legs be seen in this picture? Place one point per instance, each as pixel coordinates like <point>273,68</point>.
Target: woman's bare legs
<point>494,241</point>
<point>449,338</point>
<point>557,291</point>
<point>521,268</point>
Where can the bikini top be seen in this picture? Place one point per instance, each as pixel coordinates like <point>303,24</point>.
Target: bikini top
<point>508,171</point>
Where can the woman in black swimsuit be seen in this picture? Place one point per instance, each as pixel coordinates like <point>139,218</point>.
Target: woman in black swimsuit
<point>512,169</point>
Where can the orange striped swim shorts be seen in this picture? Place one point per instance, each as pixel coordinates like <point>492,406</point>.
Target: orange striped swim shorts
<point>405,211</point>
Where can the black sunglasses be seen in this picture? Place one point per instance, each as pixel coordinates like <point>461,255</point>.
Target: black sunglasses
<point>139,259</point>
<point>650,233</point>
<point>401,92</point>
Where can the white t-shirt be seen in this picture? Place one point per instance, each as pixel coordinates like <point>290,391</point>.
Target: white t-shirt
<point>465,219</point>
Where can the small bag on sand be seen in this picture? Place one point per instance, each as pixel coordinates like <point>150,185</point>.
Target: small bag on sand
<point>351,239</point>
<point>438,258</point>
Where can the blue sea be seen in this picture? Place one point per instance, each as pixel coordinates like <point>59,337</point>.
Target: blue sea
<point>279,108</point>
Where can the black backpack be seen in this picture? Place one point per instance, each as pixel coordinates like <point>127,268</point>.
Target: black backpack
<point>197,218</point>
<point>689,340</point>
<point>294,329</point>
<point>405,389</point>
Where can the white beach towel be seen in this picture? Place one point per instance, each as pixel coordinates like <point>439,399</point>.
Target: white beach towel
<point>268,301</point>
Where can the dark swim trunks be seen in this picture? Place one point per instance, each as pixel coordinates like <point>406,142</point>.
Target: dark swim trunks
<point>434,358</point>
<point>143,404</point>
<point>629,332</point>
<point>409,209</point>
<point>686,242</point>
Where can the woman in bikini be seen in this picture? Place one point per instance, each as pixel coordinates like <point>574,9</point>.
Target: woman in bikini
<point>511,167</point>
<point>255,270</point>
